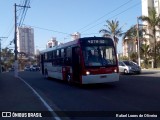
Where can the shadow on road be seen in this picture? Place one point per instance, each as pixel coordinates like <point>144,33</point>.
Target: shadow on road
<point>85,86</point>
<point>98,86</point>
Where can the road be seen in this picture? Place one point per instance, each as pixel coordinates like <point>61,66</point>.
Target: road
<point>131,93</point>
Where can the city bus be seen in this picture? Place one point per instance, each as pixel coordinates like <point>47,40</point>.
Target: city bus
<point>86,60</point>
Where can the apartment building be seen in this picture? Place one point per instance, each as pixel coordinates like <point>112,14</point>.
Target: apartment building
<point>146,4</point>
<point>51,43</point>
<point>25,40</point>
<point>129,46</point>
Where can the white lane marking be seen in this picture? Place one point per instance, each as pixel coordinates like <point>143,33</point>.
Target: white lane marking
<point>42,100</point>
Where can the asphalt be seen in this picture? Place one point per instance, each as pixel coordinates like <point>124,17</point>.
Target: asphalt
<point>17,97</point>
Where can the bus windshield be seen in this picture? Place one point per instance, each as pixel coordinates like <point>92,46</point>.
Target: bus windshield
<point>99,55</point>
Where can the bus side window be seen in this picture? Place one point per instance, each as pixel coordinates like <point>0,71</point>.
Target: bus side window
<point>54,57</point>
<point>45,56</point>
<point>67,59</point>
<point>50,55</point>
<point>63,56</point>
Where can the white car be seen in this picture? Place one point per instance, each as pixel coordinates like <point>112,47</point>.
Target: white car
<point>27,68</point>
<point>128,67</point>
<point>34,68</point>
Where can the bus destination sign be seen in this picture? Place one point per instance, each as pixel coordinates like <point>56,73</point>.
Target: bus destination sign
<point>96,41</point>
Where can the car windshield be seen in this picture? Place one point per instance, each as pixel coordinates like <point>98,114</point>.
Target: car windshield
<point>129,63</point>
<point>99,56</point>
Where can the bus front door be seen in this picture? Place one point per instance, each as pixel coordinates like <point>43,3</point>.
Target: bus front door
<point>42,64</point>
<point>75,64</point>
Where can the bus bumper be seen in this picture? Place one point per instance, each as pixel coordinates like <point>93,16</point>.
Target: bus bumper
<point>101,78</point>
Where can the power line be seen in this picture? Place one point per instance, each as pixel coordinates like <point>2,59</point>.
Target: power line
<point>23,15</point>
<point>48,30</point>
<point>105,15</point>
<point>8,35</point>
<point>112,17</point>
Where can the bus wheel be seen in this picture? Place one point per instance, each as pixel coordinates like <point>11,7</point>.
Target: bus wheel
<point>69,79</point>
<point>46,74</point>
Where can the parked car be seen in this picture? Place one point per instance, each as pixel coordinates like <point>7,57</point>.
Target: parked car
<point>27,68</point>
<point>34,68</point>
<point>11,69</point>
<point>127,67</point>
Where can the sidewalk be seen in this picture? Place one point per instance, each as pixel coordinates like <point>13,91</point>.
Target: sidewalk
<point>16,96</point>
<point>151,69</point>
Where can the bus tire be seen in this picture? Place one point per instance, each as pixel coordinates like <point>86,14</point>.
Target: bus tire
<point>46,74</point>
<point>69,78</point>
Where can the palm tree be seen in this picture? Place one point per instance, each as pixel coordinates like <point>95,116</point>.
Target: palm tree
<point>131,37</point>
<point>113,30</point>
<point>145,52</point>
<point>133,56</point>
<point>153,23</point>
<point>130,34</point>
<point>158,52</point>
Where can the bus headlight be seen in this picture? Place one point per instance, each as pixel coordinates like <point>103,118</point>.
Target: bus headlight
<point>87,72</point>
<point>115,70</point>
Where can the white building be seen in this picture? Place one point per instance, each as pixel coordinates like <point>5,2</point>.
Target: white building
<point>25,40</point>
<point>146,4</point>
<point>129,46</point>
<point>151,4</point>
<point>75,35</point>
<point>51,43</point>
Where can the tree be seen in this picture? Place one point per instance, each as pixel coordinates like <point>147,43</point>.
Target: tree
<point>158,51</point>
<point>153,23</point>
<point>22,58</point>
<point>113,30</point>
<point>7,57</point>
<point>133,56</point>
<point>145,52</point>
<point>123,58</point>
<point>130,36</point>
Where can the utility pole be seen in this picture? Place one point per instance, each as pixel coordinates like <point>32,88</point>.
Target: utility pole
<point>15,40</point>
<point>138,43</point>
<point>0,54</point>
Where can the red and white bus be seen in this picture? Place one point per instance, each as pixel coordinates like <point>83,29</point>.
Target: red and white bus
<point>84,61</point>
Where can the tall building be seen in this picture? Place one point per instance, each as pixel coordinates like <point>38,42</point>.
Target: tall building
<point>146,4</point>
<point>129,46</point>
<point>25,40</point>
<point>150,3</point>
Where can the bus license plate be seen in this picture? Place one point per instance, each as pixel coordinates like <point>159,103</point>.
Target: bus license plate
<point>104,76</point>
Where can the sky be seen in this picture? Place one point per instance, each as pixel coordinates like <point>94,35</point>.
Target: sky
<point>61,18</point>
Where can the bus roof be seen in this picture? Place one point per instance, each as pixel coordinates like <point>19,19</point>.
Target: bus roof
<point>70,43</point>
<point>60,46</point>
